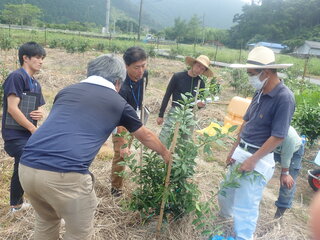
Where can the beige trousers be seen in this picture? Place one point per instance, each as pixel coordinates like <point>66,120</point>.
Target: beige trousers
<point>55,195</point>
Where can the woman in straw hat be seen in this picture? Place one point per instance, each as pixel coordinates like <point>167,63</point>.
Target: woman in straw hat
<point>182,83</point>
<point>266,124</point>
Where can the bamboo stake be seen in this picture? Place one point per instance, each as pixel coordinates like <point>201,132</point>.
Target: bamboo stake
<point>142,118</point>
<point>196,97</point>
<point>167,181</point>
<point>195,107</point>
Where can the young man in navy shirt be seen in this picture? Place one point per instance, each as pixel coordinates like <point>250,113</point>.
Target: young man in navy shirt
<point>20,82</point>
<point>135,59</point>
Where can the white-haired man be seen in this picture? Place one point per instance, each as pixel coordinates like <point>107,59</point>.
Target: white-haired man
<point>54,167</point>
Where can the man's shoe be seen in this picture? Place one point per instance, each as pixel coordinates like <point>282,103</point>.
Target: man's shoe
<point>279,213</point>
<point>23,206</point>
<point>116,192</point>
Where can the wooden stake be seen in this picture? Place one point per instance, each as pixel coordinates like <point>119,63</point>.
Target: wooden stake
<point>196,98</point>
<point>167,181</point>
<point>142,118</point>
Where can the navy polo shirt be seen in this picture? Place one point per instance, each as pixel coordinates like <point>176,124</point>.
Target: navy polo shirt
<point>82,118</point>
<point>17,83</point>
<point>270,116</point>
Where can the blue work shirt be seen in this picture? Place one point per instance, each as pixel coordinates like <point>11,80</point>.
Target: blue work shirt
<point>17,83</point>
<point>81,119</point>
<point>268,115</point>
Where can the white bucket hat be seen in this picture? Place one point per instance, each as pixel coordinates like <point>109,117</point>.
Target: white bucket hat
<point>202,59</point>
<point>261,58</point>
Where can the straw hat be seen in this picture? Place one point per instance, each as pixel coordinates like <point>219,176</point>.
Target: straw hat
<point>261,58</point>
<point>202,59</point>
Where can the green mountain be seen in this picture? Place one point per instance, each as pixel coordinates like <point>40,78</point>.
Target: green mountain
<point>156,13</point>
<point>216,13</point>
<point>63,11</point>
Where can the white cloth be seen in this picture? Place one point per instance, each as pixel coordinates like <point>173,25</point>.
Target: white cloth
<point>264,166</point>
<point>99,81</point>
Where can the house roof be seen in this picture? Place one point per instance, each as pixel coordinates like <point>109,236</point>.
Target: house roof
<point>269,45</point>
<point>313,44</point>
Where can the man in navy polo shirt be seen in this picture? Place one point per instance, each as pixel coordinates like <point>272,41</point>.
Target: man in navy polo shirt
<point>54,167</point>
<point>266,124</point>
<point>20,82</point>
<point>131,90</point>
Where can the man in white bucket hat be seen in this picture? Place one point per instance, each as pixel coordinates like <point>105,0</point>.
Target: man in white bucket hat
<point>266,124</point>
<point>182,83</point>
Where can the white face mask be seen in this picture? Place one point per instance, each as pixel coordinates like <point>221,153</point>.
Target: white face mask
<point>255,81</point>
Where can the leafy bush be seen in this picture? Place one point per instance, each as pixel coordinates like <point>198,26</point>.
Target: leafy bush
<point>293,80</point>
<point>3,75</point>
<point>151,51</point>
<point>307,114</point>
<point>53,43</point>
<point>100,46</point>
<point>75,45</point>
<point>240,82</point>
<point>214,87</point>
<point>7,43</point>
<point>182,195</point>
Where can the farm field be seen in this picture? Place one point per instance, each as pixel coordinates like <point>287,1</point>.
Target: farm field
<point>112,221</point>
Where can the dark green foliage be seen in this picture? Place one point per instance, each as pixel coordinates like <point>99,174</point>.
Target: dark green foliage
<point>214,87</point>
<point>151,51</point>
<point>277,21</point>
<point>6,43</point>
<point>3,75</point>
<point>100,46</point>
<point>20,14</point>
<point>182,195</point>
<point>75,45</point>
<point>306,119</point>
<point>53,43</point>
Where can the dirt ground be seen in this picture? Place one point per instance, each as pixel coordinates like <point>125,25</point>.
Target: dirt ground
<point>113,222</point>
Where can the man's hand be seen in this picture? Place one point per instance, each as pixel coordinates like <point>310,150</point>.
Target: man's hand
<point>286,180</point>
<point>124,152</point>
<point>230,160</point>
<point>159,120</point>
<point>167,156</point>
<point>36,114</point>
<point>248,165</point>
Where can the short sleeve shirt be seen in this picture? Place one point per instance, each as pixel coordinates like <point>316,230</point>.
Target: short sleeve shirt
<point>268,115</point>
<point>17,83</point>
<point>82,118</point>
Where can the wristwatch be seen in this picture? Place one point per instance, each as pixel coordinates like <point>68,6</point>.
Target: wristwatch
<point>285,173</point>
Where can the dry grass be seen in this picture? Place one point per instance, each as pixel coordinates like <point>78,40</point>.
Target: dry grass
<point>112,220</point>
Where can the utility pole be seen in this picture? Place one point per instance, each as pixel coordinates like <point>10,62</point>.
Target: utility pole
<point>107,30</point>
<point>140,13</point>
<point>203,30</point>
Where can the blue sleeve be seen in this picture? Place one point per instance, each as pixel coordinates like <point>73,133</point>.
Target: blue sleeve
<point>283,116</point>
<point>129,119</point>
<point>14,84</point>
<point>42,101</point>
